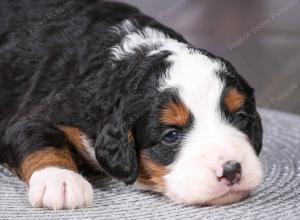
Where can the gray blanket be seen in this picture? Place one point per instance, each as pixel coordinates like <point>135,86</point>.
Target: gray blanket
<point>277,198</point>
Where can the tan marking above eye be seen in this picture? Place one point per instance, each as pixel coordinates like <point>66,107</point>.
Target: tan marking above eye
<point>150,173</point>
<point>234,100</point>
<point>175,114</point>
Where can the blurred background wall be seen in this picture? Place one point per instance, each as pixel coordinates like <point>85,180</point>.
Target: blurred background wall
<point>260,37</point>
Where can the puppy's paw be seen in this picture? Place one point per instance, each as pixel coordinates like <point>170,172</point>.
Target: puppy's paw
<point>58,188</point>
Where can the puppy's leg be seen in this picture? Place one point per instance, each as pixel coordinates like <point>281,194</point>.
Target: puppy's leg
<point>42,156</point>
<point>54,182</point>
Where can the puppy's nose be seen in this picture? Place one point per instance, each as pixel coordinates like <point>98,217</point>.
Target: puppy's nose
<point>232,172</point>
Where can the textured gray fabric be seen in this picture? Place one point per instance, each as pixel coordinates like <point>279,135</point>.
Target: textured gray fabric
<point>277,198</point>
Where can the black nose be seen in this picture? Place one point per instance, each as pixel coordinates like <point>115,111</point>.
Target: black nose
<point>232,171</point>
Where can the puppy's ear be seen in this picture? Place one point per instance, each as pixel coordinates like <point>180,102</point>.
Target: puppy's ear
<point>115,150</point>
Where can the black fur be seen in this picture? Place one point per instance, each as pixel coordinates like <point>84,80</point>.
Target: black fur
<point>58,72</point>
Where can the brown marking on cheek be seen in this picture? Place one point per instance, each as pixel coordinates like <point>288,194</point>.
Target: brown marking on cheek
<point>234,100</point>
<point>50,156</point>
<point>175,114</point>
<point>151,173</point>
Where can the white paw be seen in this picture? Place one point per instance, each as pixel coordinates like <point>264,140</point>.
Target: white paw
<point>58,188</point>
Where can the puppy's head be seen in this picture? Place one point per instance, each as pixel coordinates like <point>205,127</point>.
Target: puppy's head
<point>198,140</point>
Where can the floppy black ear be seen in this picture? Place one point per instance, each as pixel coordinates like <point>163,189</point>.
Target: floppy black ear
<point>115,150</point>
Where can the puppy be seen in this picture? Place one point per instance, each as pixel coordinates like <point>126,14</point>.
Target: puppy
<point>98,85</point>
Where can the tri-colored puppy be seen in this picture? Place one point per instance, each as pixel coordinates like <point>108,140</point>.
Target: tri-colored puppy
<point>100,85</point>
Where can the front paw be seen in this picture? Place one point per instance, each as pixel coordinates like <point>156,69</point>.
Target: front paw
<point>58,188</point>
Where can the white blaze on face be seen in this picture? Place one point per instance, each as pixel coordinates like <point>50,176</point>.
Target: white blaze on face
<point>211,142</point>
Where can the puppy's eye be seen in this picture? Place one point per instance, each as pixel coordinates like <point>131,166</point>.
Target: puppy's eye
<point>171,137</point>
